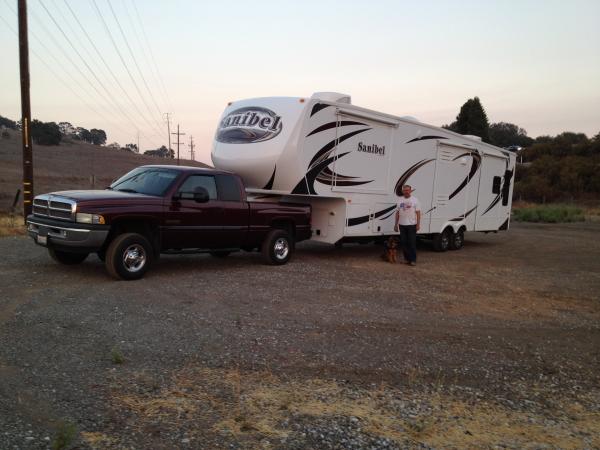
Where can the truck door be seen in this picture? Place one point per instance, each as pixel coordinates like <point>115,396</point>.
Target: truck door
<point>189,224</point>
<point>235,211</point>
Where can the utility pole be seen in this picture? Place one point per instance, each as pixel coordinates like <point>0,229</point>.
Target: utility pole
<point>138,142</point>
<point>169,130</point>
<point>25,111</point>
<point>178,134</point>
<point>192,148</point>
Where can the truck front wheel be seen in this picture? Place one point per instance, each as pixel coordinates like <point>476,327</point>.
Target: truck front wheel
<point>278,247</point>
<point>128,256</point>
<point>67,258</point>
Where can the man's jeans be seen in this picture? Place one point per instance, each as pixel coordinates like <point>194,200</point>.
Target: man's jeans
<point>408,241</point>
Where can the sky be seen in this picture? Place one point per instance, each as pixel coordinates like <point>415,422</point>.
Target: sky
<point>119,65</point>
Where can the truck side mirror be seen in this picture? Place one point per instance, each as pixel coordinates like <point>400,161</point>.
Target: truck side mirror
<point>201,195</point>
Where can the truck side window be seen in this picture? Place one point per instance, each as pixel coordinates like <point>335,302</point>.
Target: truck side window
<point>187,189</point>
<point>229,188</point>
<point>496,185</point>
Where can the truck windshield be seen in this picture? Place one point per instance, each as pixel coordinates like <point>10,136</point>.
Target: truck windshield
<point>145,180</point>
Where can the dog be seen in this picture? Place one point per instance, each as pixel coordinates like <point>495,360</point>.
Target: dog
<point>391,250</point>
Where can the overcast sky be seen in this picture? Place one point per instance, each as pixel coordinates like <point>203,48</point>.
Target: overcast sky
<point>533,63</point>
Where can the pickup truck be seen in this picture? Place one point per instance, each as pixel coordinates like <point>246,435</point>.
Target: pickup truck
<point>164,209</point>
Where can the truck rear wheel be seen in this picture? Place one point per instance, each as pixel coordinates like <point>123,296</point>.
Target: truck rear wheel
<point>278,247</point>
<point>67,258</point>
<point>441,241</point>
<point>128,256</point>
<point>220,253</point>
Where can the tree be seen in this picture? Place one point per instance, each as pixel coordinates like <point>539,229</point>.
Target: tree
<point>83,134</point>
<point>45,133</point>
<point>504,134</point>
<point>66,128</point>
<point>132,148</point>
<point>163,152</point>
<point>114,145</point>
<point>98,137</point>
<point>8,123</point>
<point>471,119</point>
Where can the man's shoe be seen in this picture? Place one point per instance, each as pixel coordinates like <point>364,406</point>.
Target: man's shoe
<point>412,263</point>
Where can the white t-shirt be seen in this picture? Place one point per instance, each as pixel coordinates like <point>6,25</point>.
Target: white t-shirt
<point>408,207</point>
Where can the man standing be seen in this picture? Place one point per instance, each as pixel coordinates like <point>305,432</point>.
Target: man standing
<point>408,217</point>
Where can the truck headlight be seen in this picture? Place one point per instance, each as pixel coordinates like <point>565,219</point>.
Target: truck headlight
<point>96,219</point>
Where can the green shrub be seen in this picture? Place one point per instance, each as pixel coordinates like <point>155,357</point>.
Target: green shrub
<point>65,435</point>
<point>549,214</point>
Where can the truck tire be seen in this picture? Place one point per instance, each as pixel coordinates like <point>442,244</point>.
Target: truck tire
<point>220,253</point>
<point>128,256</point>
<point>278,247</point>
<point>67,258</point>
<point>457,240</point>
<point>441,241</point>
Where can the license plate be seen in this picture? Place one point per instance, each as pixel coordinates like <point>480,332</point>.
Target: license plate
<point>42,240</point>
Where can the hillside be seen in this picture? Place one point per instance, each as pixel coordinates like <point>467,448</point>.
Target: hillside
<point>71,165</point>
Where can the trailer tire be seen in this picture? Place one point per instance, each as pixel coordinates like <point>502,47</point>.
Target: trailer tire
<point>277,247</point>
<point>457,240</point>
<point>128,256</point>
<point>441,241</point>
<point>66,258</point>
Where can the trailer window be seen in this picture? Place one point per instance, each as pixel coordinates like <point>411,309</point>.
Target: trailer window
<point>187,189</point>
<point>506,188</point>
<point>229,188</point>
<point>496,185</point>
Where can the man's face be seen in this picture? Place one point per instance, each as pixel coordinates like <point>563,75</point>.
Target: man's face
<point>406,190</point>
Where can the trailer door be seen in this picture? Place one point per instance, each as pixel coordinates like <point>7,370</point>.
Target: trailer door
<point>455,186</point>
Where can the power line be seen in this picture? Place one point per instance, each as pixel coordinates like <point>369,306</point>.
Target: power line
<point>107,66</point>
<point>110,97</point>
<point>107,29</point>
<point>145,56</point>
<point>59,64</point>
<point>137,13</point>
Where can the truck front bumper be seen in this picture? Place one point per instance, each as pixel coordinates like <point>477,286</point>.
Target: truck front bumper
<point>67,236</point>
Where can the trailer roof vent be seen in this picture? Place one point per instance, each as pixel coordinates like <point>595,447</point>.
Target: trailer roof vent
<point>472,136</point>
<point>332,97</point>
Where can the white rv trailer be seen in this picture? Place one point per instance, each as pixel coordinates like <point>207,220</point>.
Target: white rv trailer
<point>350,163</point>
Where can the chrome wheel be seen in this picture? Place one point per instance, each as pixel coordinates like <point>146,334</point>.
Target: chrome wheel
<point>134,258</point>
<point>281,248</point>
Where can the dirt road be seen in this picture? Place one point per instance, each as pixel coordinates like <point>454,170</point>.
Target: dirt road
<point>494,345</point>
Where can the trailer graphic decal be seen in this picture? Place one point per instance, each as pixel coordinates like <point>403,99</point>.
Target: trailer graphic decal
<point>475,163</point>
<point>318,107</point>
<point>319,163</point>
<point>464,216</point>
<point>363,219</point>
<point>504,191</point>
<point>269,184</point>
<point>425,138</point>
<point>248,125</point>
<point>330,125</point>
<point>406,175</point>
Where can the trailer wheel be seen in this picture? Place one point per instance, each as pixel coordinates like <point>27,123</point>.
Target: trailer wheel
<point>128,256</point>
<point>278,247</point>
<point>66,258</point>
<point>441,241</point>
<point>457,240</point>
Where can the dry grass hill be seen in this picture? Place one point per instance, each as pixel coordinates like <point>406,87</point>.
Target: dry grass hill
<point>71,165</point>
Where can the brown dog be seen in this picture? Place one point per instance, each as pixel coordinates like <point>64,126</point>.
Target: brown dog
<point>391,251</point>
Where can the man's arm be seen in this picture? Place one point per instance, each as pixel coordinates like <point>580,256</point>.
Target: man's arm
<point>418,219</point>
<point>397,219</point>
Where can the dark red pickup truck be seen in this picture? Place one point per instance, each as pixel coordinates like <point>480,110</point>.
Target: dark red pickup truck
<point>164,209</point>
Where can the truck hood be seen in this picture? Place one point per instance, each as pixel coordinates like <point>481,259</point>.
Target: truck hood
<point>105,194</point>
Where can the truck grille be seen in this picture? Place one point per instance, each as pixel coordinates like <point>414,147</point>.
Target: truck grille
<point>54,207</point>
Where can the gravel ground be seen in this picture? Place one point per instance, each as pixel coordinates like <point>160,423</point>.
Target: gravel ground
<point>494,346</point>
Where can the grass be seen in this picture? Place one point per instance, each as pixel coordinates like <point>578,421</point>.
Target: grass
<point>116,356</point>
<point>65,435</point>
<point>549,214</point>
<point>11,225</point>
<point>250,407</point>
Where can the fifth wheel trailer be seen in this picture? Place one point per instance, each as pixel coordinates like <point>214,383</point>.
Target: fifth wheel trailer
<point>350,163</point>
